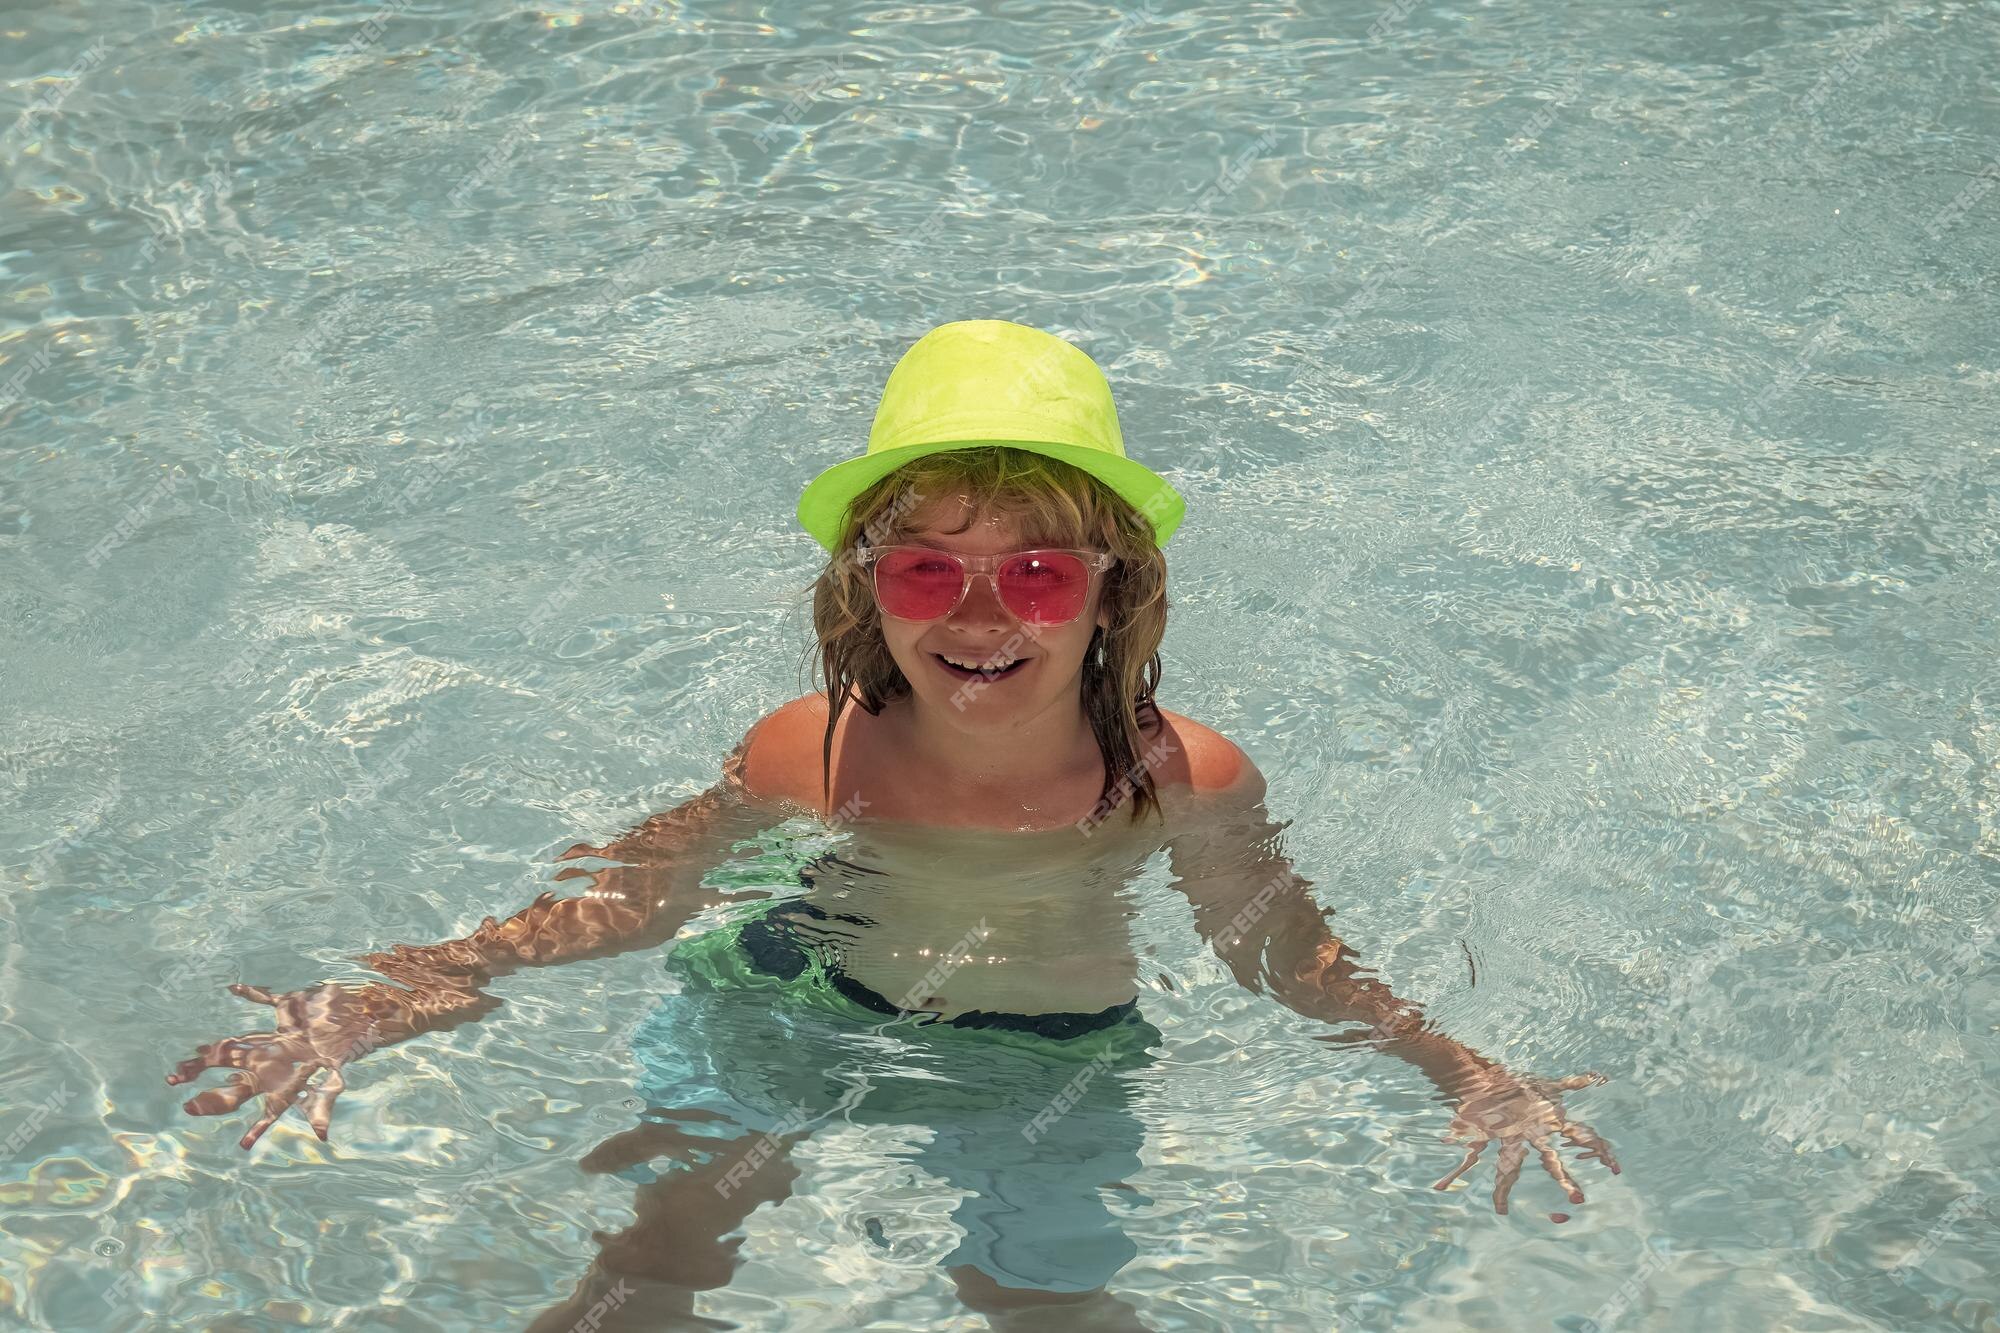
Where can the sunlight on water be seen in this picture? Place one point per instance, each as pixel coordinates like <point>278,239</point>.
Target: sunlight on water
<point>1588,426</point>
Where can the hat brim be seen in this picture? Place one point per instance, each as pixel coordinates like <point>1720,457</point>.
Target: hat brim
<point>823,505</point>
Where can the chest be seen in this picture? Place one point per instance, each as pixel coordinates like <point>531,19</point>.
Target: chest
<point>876,778</point>
<point>1058,802</point>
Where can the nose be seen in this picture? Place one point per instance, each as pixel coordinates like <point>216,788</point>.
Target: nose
<point>982,607</point>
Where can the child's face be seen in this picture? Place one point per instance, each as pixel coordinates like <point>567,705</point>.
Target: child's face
<point>982,630</point>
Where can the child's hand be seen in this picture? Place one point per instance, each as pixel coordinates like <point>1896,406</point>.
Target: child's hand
<point>321,1028</point>
<point>1520,1111</point>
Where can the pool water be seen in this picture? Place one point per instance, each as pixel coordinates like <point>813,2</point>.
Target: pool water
<point>1588,421</point>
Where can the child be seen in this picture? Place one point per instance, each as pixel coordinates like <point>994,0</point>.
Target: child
<point>988,628</point>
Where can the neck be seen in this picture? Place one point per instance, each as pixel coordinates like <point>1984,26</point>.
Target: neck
<point>1051,744</point>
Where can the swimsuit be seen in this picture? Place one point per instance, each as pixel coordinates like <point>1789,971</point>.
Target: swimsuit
<point>1027,1113</point>
<point>774,943</point>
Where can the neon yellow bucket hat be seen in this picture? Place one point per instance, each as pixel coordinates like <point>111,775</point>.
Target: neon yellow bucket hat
<point>985,382</point>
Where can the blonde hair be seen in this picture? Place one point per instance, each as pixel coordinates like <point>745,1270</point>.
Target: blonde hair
<point>1056,505</point>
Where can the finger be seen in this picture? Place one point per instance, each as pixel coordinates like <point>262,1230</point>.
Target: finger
<point>1512,1154</point>
<point>1471,1156</point>
<point>277,1101</point>
<point>217,1101</point>
<point>229,1053</point>
<point>318,1101</point>
<point>1554,1166</point>
<point>1575,1081</point>
<point>257,993</point>
<point>1583,1136</point>
<point>1349,1037</point>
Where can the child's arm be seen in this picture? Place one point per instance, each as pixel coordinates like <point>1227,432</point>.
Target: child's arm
<point>635,905</point>
<point>1259,916</point>
<point>638,904</point>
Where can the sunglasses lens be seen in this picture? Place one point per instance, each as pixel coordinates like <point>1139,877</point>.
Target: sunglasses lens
<point>917,585</point>
<point>1038,587</point>
<point>1045,587</point>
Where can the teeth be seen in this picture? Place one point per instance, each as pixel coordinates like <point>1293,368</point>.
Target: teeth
<point>997,665</point>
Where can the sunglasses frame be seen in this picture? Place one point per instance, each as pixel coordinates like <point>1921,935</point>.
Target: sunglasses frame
<point>972,566</point>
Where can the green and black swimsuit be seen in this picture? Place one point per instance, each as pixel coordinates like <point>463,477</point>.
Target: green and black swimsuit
<point>784,941</point>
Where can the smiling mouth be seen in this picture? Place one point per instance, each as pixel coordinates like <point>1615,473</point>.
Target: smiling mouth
<point>967,673</point>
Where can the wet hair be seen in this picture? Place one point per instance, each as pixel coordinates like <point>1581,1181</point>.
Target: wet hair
<point>1054,504</point>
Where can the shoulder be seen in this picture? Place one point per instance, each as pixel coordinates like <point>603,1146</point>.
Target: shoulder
<point>1204,761</point>
<point>778,759</point>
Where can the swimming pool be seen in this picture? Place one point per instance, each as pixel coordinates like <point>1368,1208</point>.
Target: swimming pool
<point>1588,425</point>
